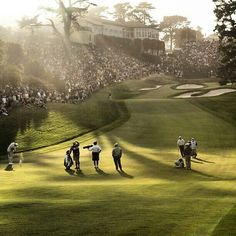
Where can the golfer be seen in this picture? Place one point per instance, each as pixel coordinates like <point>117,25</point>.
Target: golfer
<point>194,147</point>
<point>95,154</point>
<point>180,144</point>
<point>187,155</point>
<point>76,154</point>
<point>10,152</point>
<point>117,153</point>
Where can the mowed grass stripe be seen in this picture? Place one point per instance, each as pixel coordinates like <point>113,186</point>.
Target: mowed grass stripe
<point>153,198</point>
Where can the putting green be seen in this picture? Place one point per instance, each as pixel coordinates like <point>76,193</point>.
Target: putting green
<point>151,197</point>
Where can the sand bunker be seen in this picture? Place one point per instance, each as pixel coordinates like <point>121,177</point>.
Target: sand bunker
<point>212,93</point>
<point>186,95</point>
<point>217,92</point>
<point>147,89</point>
<point>189,86</point>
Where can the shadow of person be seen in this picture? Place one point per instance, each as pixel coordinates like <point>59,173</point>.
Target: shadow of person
<point>69,171</point>
<point>205,175</point>
<point>199,162</point>
<point>101,172</point>
<point>125,175</point>
<point>9,167</point>
<point>199,159</point>
<point>80,173</point>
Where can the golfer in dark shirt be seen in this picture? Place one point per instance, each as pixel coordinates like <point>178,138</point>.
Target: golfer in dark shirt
<point>117,153</point>
<point>76,154</point>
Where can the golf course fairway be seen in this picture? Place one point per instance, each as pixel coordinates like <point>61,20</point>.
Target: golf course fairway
<point>151,197</point>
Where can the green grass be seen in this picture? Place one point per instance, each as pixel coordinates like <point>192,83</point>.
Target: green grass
<point>34,128</point>
<point>222,106</point>
<point>152,198</point>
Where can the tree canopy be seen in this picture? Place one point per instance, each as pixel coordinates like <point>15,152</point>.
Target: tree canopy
<point>169,26</point>
<point>68,12</point>
<point>141,13</point>
<point>122,11</point>
<point>225,12</point>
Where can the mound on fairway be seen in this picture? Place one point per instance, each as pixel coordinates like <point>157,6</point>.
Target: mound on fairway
<point>34,128</point>
<point>151,197</point>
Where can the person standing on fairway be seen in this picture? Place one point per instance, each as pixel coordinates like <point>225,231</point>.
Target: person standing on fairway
<point>117,153</point>
<point>95,154</point>
<point>194,148</point>
<point>187,155</point>
<point>180,144</point>
<point>10,152</point>
<point>76,154</point>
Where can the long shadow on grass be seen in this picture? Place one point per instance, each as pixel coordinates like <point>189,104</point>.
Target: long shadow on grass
<point>125,175</point>
<point>141,211</point>
<point>38,160</point>
<point>18,121</point>
<point>202,160</point>
<point>227,224</point>
<point>156,169</point>
<point>108,203</point>
<point>101,172</point>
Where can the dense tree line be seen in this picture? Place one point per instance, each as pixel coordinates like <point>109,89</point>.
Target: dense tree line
<point>225,12</point>
<point>16,68</point>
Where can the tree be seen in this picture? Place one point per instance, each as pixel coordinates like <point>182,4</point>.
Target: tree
<point>34,82</point>
<point>1,51</point>
<point>199,35</point>
<point>184,35</point>
<point>2,57</point>
<point>122,11</point>
<point>170,24</point>
<point>141,13</point>
<point>98,11</point>
<point>11,75</point>
<point>69,12</point>
<point>14,54</point>
<point>225,12</point>
<point>35,69</point>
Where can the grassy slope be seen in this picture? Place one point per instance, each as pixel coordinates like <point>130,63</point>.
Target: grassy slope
<point>152,198</point>
<point>222,106</point>
<point>34,128</point>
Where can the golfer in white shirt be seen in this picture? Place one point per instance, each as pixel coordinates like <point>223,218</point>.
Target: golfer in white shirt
<point>95,154</point>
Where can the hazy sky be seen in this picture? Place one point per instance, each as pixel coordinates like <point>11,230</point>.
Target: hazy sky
<point>199,12</point>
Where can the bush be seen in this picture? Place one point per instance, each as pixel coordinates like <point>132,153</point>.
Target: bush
<point>34,82</point>
<point>11,75</point>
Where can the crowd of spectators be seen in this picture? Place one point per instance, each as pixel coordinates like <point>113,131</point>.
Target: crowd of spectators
<point>194,58</point>
<point>91,68</point>
<point>21,96</point>
<point>88,70</point>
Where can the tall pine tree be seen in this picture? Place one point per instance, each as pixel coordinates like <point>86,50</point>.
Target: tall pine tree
<point>225,12</point>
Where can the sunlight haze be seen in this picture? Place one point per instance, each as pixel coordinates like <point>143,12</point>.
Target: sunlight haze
<point>200,12</point>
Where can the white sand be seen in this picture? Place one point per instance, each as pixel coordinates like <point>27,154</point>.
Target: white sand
<point>186,95</point>
<point>212,93</point>
<point>147,89</point>
<point>217,92</point>
<point>189,86</point>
